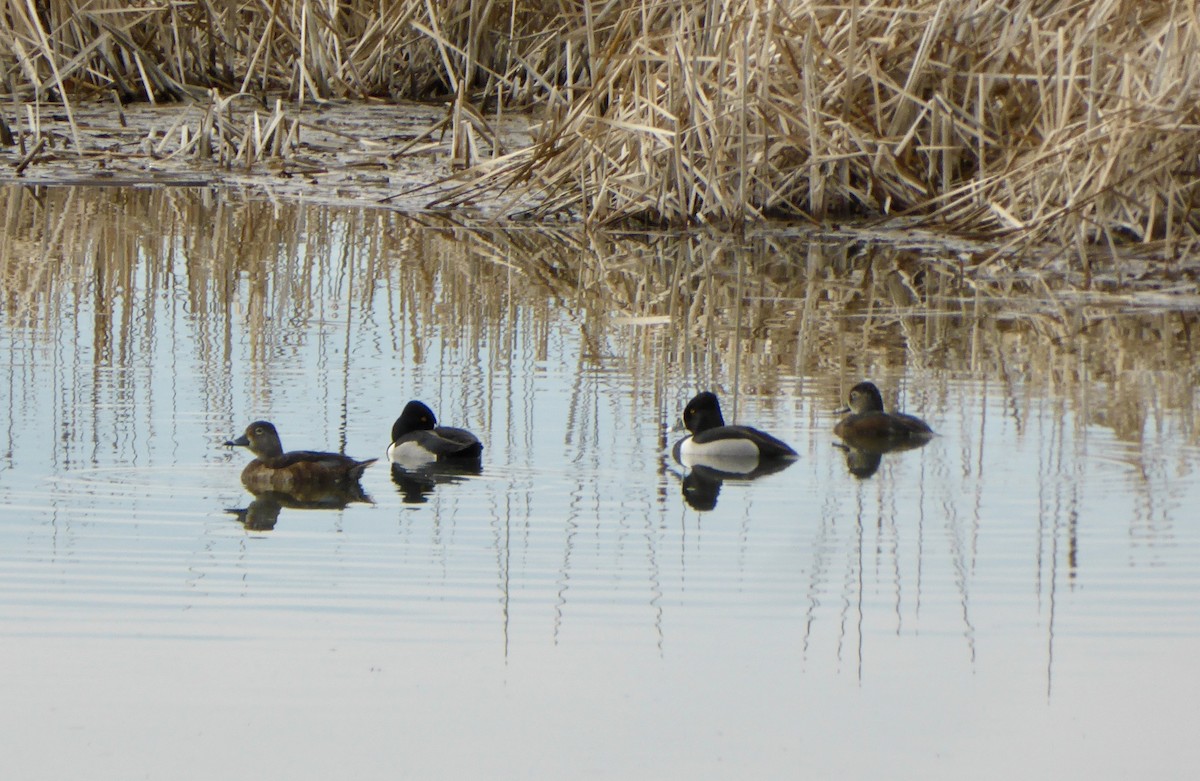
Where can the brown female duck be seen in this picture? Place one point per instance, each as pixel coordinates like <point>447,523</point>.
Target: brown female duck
<point>274,470</point>
<point>870,422</point>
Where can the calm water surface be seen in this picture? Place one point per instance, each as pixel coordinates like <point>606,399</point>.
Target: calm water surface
<point>1019,598</point>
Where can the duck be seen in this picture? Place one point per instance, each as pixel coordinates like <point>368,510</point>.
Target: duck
<point>868,420</point>
<point>295,472</point>
<point>733,449</point>
<point>418,439</point>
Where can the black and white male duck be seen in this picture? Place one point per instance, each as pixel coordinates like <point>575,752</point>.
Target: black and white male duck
<point>295,472</point>
<point>418,439</point>
<point>731,449</point>
<point>869,422</point>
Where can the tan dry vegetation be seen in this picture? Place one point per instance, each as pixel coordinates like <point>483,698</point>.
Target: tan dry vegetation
<point>765,317</point>
<point>1058,120</point>
<point>1070,122</point>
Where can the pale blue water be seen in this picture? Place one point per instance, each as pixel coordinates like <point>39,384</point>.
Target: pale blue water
<point>1017,599</point>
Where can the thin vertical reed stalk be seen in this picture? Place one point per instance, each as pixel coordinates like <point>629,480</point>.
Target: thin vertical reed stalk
<point>1052,120</point>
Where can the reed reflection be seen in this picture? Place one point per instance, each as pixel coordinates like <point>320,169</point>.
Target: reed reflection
<point>564,349</point>
<point>298,283</point>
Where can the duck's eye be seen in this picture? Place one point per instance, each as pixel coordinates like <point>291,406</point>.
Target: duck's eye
<point>259,430</point>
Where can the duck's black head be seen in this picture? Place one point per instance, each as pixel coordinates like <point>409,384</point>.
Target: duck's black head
<point>415,417</point>
<point>702,413</point>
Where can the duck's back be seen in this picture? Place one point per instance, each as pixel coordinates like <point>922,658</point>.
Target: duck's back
<point>442,442</point>
<point>890,425</point>
<point>298,468</point>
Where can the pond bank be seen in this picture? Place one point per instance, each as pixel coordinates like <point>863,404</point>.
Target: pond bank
<point>399,156</point>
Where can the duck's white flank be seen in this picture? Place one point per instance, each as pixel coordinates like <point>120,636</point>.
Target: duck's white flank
<point>736,448</point>
<point>409,453</point>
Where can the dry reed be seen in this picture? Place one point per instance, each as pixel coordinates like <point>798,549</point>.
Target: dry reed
<point>1052,120</point>
<point>766,317</point>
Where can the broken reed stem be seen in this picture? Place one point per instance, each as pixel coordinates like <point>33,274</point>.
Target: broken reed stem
<point>1056,119</point>
<point>29,158</point>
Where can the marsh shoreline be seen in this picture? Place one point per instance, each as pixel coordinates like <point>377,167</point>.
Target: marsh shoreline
<point>345,154</point>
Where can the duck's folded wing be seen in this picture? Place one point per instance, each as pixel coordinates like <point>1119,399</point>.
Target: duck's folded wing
<point>316,457</point>
<point>449,441</point>
<point>768,446</point>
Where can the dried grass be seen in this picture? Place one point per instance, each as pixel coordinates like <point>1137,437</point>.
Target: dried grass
<point>771,316</point>
<point>1072,122</point>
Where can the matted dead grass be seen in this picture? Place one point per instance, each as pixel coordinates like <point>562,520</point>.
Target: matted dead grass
<point>1054,121</point>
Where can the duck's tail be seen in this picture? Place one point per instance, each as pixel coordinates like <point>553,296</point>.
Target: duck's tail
<point>356,471</point>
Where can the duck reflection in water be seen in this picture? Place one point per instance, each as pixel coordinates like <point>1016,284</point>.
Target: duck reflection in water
<point>425,454</point>
<point>263,512</point>
<point>869,432</point>
<point>702,484</point>
<point>416,483</point>
<point>715,452</point>
<point>301,479</point>
<point>864,457</point>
